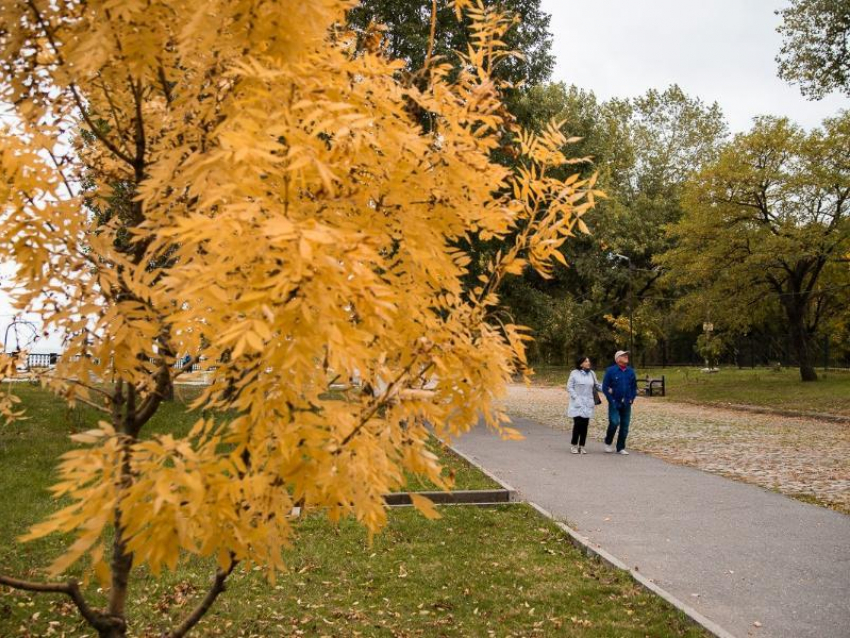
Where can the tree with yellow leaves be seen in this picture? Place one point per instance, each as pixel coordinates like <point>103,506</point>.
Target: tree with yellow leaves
<point>236,182</point>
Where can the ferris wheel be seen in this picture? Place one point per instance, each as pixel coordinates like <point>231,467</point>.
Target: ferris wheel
<point>25,334</point>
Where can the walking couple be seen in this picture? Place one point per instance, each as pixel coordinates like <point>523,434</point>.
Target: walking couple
<point>619,386</point>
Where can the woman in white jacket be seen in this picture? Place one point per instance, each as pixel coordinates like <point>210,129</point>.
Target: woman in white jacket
<point>582,388</point>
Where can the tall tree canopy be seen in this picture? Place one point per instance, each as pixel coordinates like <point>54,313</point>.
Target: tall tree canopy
<point>284,215</point>
<point>408,26</point>
<point>816,46</point>
<point>644,149</point>
<point>766,224</point>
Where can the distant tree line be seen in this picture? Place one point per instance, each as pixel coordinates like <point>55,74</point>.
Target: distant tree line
<point>746,235</point>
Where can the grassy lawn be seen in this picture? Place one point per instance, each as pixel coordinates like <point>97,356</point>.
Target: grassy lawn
<point>757,387</point>
<point>476,572</point>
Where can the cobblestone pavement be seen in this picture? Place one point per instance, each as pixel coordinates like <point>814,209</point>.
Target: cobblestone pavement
<point>802,458</point>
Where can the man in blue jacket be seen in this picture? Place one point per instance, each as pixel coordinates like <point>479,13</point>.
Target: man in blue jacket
<point>620,388</point>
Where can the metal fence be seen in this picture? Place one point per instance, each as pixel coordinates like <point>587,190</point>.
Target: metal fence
<point>42,360</point>
<point>750,351</point>
<point>50,359</point>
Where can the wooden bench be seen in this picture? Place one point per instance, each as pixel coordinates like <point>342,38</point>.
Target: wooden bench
<point>652,386</point>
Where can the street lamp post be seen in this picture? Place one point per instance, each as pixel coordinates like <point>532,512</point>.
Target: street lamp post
<point>708,328</point>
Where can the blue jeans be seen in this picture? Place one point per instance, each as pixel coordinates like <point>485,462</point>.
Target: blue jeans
<point>619,416</point>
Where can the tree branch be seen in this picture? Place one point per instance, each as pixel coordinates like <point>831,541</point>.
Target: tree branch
<point>93,388</point>
<point>141,141</point>
<point>655,277</point>
<point>71,589</point>
<point>432,35</point>
<point>383,400</point>
<point>121,133</point>
<point>151,403</point>
<point>203,607</point>
<point>166,89</point>
<point>129,427</point>
<point>62,173</point>
<point>73,87</point>
<point>186,367</point>
<point>94,405</point>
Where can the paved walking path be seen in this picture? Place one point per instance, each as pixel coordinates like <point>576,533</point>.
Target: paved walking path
<point>736,553</point>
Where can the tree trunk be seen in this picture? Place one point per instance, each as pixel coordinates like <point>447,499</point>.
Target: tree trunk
<point>122,564</point>
<point>122,560</point>
<point>801,341</point>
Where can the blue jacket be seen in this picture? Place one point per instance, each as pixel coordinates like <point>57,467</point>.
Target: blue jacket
<point>619,386</point>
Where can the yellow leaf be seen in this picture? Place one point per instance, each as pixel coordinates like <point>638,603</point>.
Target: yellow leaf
<point>425,505</point>
<point>511,434</point>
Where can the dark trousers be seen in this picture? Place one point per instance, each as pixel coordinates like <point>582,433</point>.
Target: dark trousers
<point>619,416</point>
<point>580,424</point>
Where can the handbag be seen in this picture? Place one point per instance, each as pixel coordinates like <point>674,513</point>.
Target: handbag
<point>597,400</point>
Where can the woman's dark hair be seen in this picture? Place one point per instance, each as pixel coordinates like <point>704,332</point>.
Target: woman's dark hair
<point>581,360</point>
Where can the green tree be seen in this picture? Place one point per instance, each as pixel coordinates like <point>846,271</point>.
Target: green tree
<point>408,27</point>
<point>763,230</point>
<point>816,46</point>
<point>644,150</point>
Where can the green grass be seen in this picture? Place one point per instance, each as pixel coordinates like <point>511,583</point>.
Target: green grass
<point>476,572</point>
<point>760,387</point>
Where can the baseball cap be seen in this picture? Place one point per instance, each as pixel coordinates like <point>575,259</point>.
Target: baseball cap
<point>620,353</point>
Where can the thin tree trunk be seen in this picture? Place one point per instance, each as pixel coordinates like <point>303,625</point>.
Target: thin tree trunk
<point>122,564</point>
<point>122,561</point>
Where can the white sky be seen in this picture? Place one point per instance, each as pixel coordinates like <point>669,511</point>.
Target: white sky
<point>718,50</point>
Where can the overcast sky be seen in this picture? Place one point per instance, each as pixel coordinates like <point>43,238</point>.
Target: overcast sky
<point>718,50</point>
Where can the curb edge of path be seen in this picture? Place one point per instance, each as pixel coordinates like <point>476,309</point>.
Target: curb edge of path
<point>589,549</point>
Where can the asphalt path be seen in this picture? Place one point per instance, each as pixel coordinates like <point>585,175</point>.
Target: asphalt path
<point>755,562</point>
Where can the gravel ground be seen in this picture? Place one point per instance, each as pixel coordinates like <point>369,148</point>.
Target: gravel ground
<point>802,458</point>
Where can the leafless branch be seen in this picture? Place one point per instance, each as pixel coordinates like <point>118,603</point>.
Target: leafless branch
<point>203,607</point>
<point>92,404</point>
<point>93,388</point>
<point>71,589</point>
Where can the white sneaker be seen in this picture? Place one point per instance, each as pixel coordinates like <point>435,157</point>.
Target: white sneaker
<point>573,449</point>
<point>609,448</point>
<point>623,452</point>
<point>582,450</point>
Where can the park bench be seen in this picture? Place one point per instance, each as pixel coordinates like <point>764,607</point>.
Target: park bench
<point>652,386</point>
